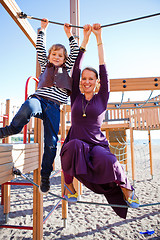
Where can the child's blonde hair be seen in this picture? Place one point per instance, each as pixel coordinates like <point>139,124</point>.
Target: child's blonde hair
<point>56,47</point>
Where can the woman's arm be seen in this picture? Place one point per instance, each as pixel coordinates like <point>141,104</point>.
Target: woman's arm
<point>77,66</point>
<point>76,76</point>
<point>86,34</point>
<point>96,29</point>
<point>104,82</point>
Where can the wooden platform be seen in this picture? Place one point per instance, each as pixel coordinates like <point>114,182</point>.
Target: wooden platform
<point>6,163</point>
<point>25,157</point>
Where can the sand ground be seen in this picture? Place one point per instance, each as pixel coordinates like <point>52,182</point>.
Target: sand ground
<point>89,221</point>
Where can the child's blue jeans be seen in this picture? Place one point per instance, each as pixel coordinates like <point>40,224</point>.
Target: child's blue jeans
<point>49,112</point>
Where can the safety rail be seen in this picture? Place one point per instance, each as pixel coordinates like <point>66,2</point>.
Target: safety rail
<point>26,96</point>
<point>4,117</point>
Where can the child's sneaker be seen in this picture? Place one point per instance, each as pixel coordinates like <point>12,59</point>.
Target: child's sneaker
<point>44,185</point>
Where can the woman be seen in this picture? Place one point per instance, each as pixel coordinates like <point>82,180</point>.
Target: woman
<point>85,153</point>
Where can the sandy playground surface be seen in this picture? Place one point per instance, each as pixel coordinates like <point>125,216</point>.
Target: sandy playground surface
<point>89,221</point>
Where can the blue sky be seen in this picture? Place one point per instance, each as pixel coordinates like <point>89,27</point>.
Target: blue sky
<point>131,49</point>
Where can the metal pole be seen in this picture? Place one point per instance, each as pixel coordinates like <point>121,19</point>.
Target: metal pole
<point>74,18</point>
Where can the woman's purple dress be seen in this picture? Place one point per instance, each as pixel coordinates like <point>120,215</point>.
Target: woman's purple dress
<point>85,153</point>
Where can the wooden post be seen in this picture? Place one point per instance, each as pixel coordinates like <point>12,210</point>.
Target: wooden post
<point>37,196</point>
<point>150,152</point>
<point>64,203</point>
<point>6,188</point>
<point>6,120</point>
<point>132,154</point>
<point>74,19</point>
<point>126,157</point>
<point>6,192</point>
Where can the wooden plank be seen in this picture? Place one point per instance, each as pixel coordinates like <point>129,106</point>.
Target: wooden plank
<point>5,154</point>
<point>155,117</point>
<point>28,168</point>
<point>134,84</point>
<point>64,203</point>
<point>118,125</point>
<point>29,161</point>
<point>38,208</point>
<point>5,173</point>
<point>5,167</point>
<point>21,146</point>
<point>116,143</point>
<point>6,189</point>
<point>150,152</point>
<point>26,162</point>
<point>25,157</point>
<point>5,159</point>
<point>17,152</point>
<point>133,115</point>
<point>7,194</point>
<point>152,112</point>
<point>114,114</point>
<point>132,105</point>
<point>136,119</point>
<point>158,116</point>
<point>132,153</point>
<point>126,113</point>
<point>22,157</point>
<point>149,119</point>
<point>143,119</point>
<point>6,178</point>
<point>37,197</point>
<point>13,9</point>
<point>5,147</point>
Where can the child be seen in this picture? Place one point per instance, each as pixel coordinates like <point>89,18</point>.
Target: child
<point>54,87</point>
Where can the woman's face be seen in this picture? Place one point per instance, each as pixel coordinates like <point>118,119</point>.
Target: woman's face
<point>88,81</point>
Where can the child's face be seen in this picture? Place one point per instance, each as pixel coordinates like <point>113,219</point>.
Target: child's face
<point>57,57</point>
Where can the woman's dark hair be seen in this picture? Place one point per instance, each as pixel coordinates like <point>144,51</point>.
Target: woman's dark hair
<point>91,69</point>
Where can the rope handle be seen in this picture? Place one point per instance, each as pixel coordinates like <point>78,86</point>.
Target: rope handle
<point>24,15</point>
<point>18,172</point>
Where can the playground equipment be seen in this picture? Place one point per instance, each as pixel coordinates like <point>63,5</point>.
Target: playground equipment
<point>131,116</point>
<point>12,8</point>
<point>116,133</point>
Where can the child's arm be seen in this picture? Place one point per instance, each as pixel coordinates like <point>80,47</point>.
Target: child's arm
<point>74,48</point>
<point>41,45</point>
